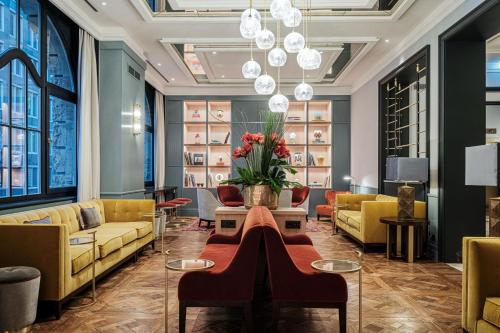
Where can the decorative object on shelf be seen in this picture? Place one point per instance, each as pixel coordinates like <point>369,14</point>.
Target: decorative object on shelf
<point>266,163</point>
<point>220,161</point>
<point>298,159</point>
<point>196,114</point>
<point>317,116</point>
<point>215,142</point>
<point>198,159</point>
<point>220,113</point>
<point>200,185</point>
<point>292,136</point>
<point>317,136</point>
<point>219,177</point>
<point>197,138</point>
<point>294,118</point>
<point>406,202</point>
<point>280,8</point>
<point>321,160</point>
<point>226,140</point>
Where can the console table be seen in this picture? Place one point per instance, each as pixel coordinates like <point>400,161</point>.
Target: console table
<point>228,220</point>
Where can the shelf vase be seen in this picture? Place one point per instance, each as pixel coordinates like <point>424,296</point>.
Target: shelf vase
<point>260,195</point>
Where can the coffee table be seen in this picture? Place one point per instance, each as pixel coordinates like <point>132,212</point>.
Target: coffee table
<point>81,241</point>
<point>182,265</point>
<point>340,266</point>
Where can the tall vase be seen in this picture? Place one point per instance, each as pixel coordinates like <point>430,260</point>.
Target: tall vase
<point>260,195</point>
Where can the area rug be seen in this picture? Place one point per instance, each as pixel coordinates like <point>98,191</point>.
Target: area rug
<point>311,226</point>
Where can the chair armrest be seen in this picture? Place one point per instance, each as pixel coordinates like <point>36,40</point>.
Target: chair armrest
<point>480,277</point>
<point>353,201</point>
<point>224,239</point>
<point>45,247</point>
<point>296,239</point>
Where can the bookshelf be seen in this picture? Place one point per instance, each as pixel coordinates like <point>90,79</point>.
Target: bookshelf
<point>207,143</point>
<point>308,132</point>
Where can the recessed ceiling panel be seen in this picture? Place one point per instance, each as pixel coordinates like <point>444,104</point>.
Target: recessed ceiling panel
<point>225,66</point>
<point>243,4</point>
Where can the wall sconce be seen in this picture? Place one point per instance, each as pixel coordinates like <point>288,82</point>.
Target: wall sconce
<point>136,120</point>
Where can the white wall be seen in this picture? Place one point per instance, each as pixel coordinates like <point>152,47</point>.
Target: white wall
<point>364,112</point>
<point>493,121</point>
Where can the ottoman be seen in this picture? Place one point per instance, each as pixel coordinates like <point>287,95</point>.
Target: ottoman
<point>19,287</point>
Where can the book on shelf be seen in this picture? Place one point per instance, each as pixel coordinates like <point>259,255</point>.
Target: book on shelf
<point>189,180</point>
<point>188,158</point>
<point>310,160</point>
<point>227,137</point>
<point>327,182</point>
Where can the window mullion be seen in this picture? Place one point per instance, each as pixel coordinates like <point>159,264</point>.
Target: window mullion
<point>26,129</point>
<point>10,128</point>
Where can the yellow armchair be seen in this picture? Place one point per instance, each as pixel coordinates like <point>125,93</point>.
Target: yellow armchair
<point>481,284</point>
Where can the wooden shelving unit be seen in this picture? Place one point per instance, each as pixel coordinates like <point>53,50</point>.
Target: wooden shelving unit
<point>207,143</point>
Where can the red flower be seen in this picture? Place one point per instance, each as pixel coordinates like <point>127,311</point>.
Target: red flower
<point>239,152</point>
<point>258,138</point>
<point>247,147</point>
<point>282,151</point>
<point>247,137</point>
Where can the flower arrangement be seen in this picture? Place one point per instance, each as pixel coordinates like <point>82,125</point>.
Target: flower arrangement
<point>265,155</point>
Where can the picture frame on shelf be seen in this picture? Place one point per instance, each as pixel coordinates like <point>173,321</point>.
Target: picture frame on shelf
<point>198,159</point>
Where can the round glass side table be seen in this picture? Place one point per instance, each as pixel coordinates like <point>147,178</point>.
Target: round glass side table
<point>340,266</point>
<point>182,265</point>
<point>82,241</point>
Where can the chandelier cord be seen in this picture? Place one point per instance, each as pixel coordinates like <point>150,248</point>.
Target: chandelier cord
<point>277,46</point>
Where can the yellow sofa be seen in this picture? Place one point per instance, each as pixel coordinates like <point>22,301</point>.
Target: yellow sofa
<point>481,285</point>
<point>124,231</point>
<point>359,216</point>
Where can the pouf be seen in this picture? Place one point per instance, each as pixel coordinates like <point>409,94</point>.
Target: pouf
<point>19,286</point>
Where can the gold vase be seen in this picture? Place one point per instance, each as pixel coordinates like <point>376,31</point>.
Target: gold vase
<point>260,195</point>
<point>406,202</point>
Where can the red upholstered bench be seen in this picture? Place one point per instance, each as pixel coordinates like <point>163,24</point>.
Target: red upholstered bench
<point>294,283</point>
<point>231,281</point>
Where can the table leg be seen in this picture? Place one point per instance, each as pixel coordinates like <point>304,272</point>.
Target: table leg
<point>388,241</point>
<point>360,300</point>
<point>398,241</point>
<point>411,232</point>
<point>165,254</point>
<point>93,268</point>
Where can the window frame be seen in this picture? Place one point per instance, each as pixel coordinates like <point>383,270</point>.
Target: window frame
<point>149,95</point>
<point>47,89</point>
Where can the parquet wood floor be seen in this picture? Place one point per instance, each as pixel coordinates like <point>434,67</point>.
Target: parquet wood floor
<point>398,297</point>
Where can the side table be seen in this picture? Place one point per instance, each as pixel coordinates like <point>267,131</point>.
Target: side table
<point>398,228</point>
<point>339,266</point>
<point>81,241</point>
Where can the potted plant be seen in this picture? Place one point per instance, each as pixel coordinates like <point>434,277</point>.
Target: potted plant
<point>265,157</point>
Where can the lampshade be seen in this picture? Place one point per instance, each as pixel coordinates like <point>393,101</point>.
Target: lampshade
<point>278,103</point>
<point>249,28</point>
<point>410,169</point>
<point>303,92</point>
<point>309,59</point>
<point>277,57</point>
<point>280,8</point>
<point>251,69</point>
<point>264,85</point>
<point>265,39</point>
<point>482,165</point>
<point>293,18</point>
<point>294,42</point>
<point>250,12</point>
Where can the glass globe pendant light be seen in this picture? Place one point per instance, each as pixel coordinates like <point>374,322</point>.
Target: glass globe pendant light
<point>251,69</point>
<point>249,27</point>
<point>279,102</point>
<point>280,8</point>
<point>265,38</point>
<point>308,58</point>
<point>264,85</point>
<point>250,13</point>
<point>277,57</point>
<point>293,18</point>
<point>294,42</point>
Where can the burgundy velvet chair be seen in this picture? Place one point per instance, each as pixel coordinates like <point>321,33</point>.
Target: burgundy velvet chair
<point>294,283</point>
<point>299,195</point>
<point>230,196</point>
<point>231,281</point>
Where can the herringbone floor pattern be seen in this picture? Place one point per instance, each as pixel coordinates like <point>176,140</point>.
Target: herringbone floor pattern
<point>398,297</point>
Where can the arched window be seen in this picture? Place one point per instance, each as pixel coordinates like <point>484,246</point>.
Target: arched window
<point>38,119</point>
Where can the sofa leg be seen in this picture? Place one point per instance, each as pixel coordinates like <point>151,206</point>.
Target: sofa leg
<point>248,317</point>
<point>276,317</point>
<point>342,318</point>
<point>182,317</point>
<point>199,223</point>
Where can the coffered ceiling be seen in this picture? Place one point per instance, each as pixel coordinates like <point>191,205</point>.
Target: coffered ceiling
<point>373,37</point>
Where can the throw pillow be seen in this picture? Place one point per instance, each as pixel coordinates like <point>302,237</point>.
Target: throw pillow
<point>90,218</point>
<point>45,220</point>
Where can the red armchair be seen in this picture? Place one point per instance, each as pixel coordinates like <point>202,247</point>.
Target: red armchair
<point>294,283</point>
<point>299,195</point>
<point>230,196</point>
<point>231,281</point>
<point>328,208</point>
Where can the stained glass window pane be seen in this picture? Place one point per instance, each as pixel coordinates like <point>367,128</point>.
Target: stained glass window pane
<point>33,162</point>
<point>18,162</point>
<point>18,93</point>
<point>62,152</point>
<point>4,94</point>
<point>4,162</point>
<point>8,25</point>
<point>30,30</point>
<point>58,65</point>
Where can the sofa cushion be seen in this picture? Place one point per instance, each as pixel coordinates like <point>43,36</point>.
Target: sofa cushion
<point>142,228</point>
<point>482,326</point>
<point>221,254</point>
<point>382,197</point>
<point>107,241</point>
<point>127,234</point>
<point>345,215</point>
<point>81,256</point>
<point>45,220</point>
<point>491,311</point>
<point>89,218</point>
<point>354,221</point>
